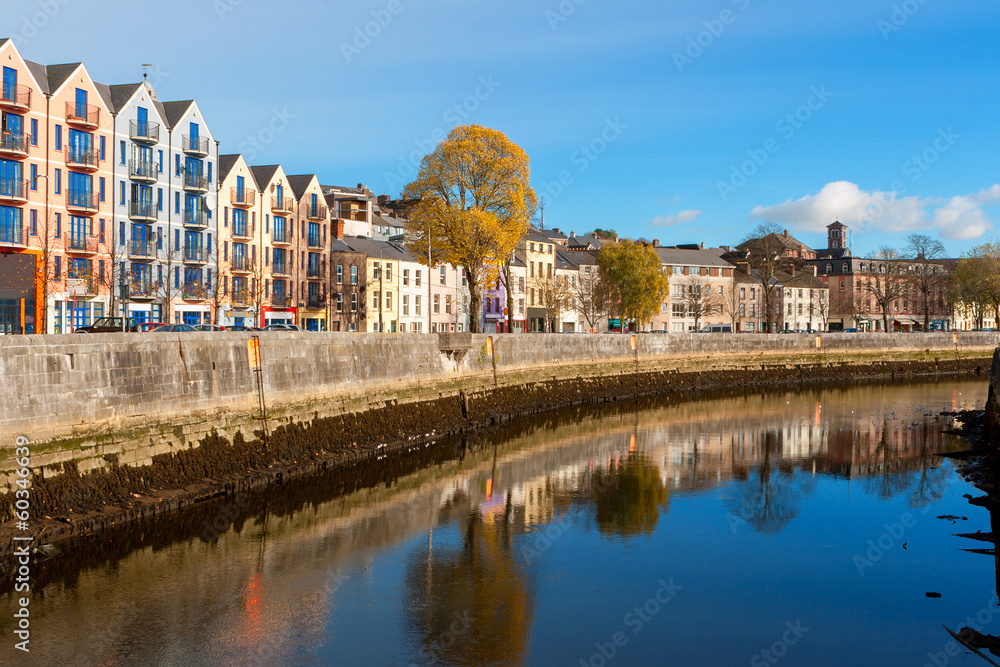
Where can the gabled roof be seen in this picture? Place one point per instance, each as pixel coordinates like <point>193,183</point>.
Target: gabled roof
<point>105,92</point>
<point>553,234</point>
<point>299,183</point>
<point>264,174</point>
<point>578,258</point>
<point>38,72</point>
<point>120,95</point>
<point>58,74</point>
<point>4,40</point>
<point>376,248</point>
<point>837,224</point>
<point>174,111</point>
<point>584,242</point>
<point>226,164</point>
<point>338,245</point>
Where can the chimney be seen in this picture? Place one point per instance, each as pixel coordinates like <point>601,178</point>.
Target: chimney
<point>786,233</point>
<point>791,268</point>
<point>338,228</point>
<point>814,270</point>
<point>701,245</point>
<point>572,234</point>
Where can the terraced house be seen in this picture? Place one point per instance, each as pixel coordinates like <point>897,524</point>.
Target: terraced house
<point>279,246</point>
<point>312,218</point>
<point>241,260</point>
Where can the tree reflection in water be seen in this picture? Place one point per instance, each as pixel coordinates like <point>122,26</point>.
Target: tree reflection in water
<point>470,604</point>
<point>770,498</point>
<point>629,496</point>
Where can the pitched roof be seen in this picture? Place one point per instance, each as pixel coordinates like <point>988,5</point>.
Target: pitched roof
<point>264,174</point>
<point>553,234</point>
<point>38,71</point>
<point>584,242</point>
<point>105,92</point>
<point>226,164</point>
<point>684,257</point>
<point>174,111</point>
<point>299,183</point>
<point>58,74</point>
<point>120,94</point>
<point>578,258</point>
<point>338,245</point>
<point>376,248</point>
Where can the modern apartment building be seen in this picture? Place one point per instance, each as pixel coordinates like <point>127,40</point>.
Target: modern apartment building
<point>279,246</point>
<point>348,286</point>
<point>241,296</point>
<point>312,218</point>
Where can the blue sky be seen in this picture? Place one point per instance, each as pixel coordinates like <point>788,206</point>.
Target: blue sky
<point>683,121</point>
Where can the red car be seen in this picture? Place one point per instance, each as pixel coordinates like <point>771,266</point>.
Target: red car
<point>149,326</point>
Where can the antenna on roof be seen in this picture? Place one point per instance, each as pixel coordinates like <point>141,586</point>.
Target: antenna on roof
<point>541,207</point>
<point>145,70</point>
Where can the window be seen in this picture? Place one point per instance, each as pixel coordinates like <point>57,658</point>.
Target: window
<point>159,164</point>
<point>437,304</point>
<point>34,131</point>
<point>121,193</point>
<point>58,137</point>
<point>375,300</point>
<point>845,268</point>
<point>340,302</point>
<point>417,279</point>
<point>102,149</point>
<point>406,305</point>
<point>354,302</point>
<point>447,303</point>
<point>340,274</point>
<point>121,151</point>
<point>406,277</point>
<point>177,165</point>
<point>34,223</point>
<point>388,272</point>
<point>159,199</point>
<point>58,225</point>
<point>376,268</point>
<point>58,267</point>
<point>101,184</point>
<point>416,306</point>
<point>177,203</point>
<point>388,300</point>
<point>33,170</point>
<point>354,275</point>
<point>442,275</point>
<point>57,187</point>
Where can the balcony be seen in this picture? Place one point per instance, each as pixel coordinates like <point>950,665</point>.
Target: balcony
<point>194,292</point>
<point>281,301</point>
<point>13,144</point>
<point>241,231</point>
<point>16,97</point>
<point>144,133</point>
<point>197,255</point>
<point>142,210</point>
<point>195,182</point>
<point>356,214</point>
<point>83,285</point>
<point>11,234</point>
<point>195,145</point>
<point>244,198</point>
<point>86,116</point>
<point>143,171</point>
<point>282,204</point>
<point>316,213</point>
<point>195,217</point>
<point>315,241</point>
<point>14,191</point>
<point>83,201</point>
<point>240,298</point>
<point>316,302</point>
<point>314,272</point>
<point>141,250</point>
<point>281,236</point>
<point>83,159</point>
<point>142,290</point>
<point>241,265</point>
<point>81,245</point>
<point>279,269</point>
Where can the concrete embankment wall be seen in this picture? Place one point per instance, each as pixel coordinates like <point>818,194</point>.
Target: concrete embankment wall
<point>132,396</point>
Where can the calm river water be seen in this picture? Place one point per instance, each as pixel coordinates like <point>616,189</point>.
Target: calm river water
<point>793,527</point>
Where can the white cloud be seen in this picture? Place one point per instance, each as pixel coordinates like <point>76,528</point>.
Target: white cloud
<point>675,219</point>
<point>961,217</point>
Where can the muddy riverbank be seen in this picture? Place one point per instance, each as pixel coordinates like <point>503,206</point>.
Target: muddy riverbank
<point>73,504</point>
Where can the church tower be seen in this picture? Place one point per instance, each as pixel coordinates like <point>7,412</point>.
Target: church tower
<point>836,236</point>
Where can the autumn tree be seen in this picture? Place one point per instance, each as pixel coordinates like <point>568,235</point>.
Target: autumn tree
<point>968,284</point>
<point>765,257</point>
<point>927,277</point>
<point>589,298</point>
<point>633,279</point>
<point>731,304</point>
<point>555,295</point>
<point>475,203</point>
<point>888,281</point>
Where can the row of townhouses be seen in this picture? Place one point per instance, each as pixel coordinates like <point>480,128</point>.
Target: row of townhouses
<point>113,201</point>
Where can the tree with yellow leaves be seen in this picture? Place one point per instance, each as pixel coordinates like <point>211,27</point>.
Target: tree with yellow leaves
<point>475,203</point>
<point>633,279</point>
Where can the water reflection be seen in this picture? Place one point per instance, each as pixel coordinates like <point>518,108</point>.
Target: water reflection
<point>481,554</point>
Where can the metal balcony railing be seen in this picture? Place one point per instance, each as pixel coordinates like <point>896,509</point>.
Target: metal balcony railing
<point>144,132</point>
<point>281,204</point>
<point>81,244</point>
<point>141,210</point>
<point>83,114</point>
<point>240,297</point>
<point>281,235</point>
<point>139,249</point>
<point>281,300</point>
<point>11,234</point>
<point>316,302</point>
<point>142,289</point>
<point>279,269</point>
<point>196,145</point>
<point>196,217</point>
<point>13,189</point>
<point>243,198</point>
<point>83,158</point>
<point>196,255</point>
<point>316,212</point>
<point>241,264</point>
<point>314,272</point>
<point>17,95</point>
<point>195,181</point>
<point>13,142</point>
<point>84,200</point>
<point>356,214</point>
<point>241,231</point>
<point>142,170</point>
<point>315,241</point>
<point>194,292</point>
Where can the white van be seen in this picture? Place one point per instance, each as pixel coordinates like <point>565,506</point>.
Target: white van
<point>717,328</point>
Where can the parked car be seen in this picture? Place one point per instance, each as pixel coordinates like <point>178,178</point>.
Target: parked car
<point>149,326</point>
<point>110,325</point>
<point>174,327</point>
<point>717,328</point>
<point>209,327</point>
<point>240,327</point>
<point>282,327</point>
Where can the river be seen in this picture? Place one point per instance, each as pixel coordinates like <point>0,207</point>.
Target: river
<point>794,527</point>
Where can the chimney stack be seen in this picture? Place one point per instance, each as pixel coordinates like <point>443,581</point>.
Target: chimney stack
<point>786,233</point>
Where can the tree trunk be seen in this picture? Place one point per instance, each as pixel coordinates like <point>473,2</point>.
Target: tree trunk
<point>475,305</point>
